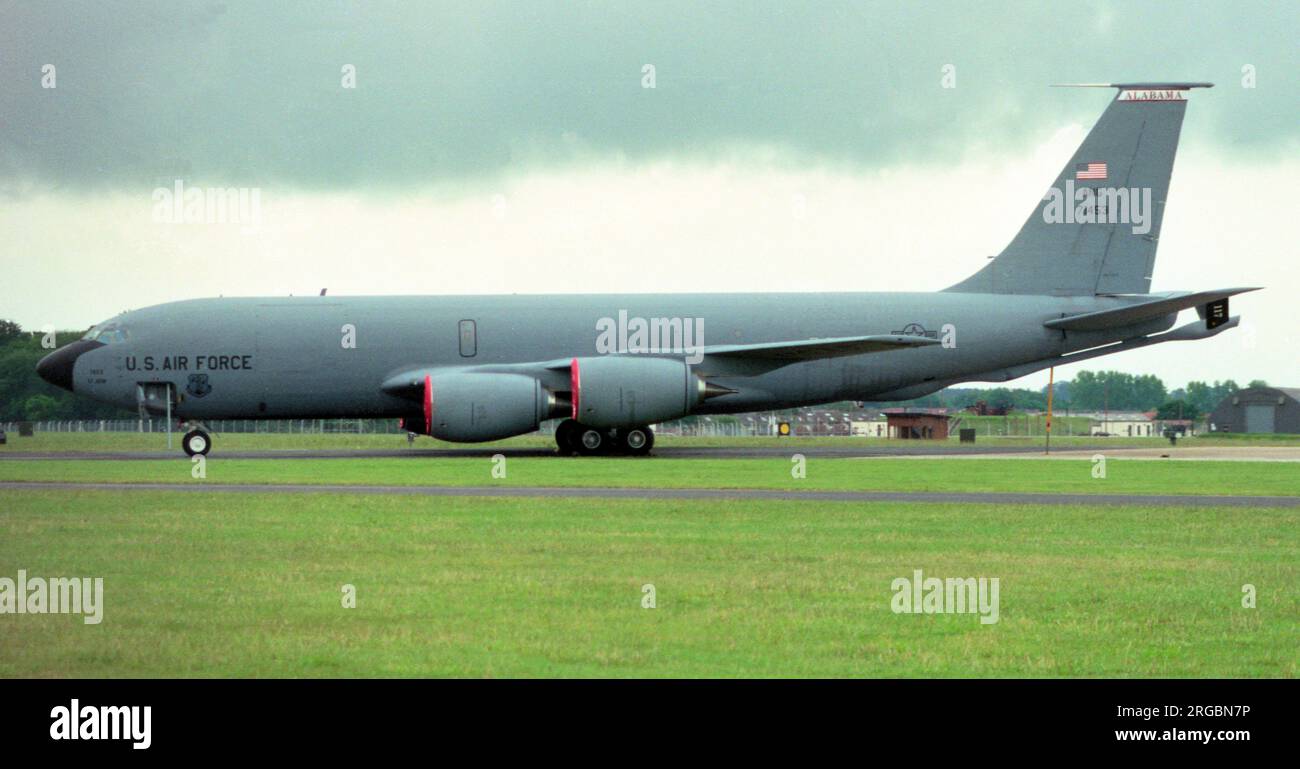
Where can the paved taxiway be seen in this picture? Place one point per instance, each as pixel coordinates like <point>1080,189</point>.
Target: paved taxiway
<point>1216,453</point>
<point>995,498</point>
<point>667,452</point>
<point>1193,454</point>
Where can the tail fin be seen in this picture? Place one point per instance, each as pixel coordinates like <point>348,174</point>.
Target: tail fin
<point>1096,229</point>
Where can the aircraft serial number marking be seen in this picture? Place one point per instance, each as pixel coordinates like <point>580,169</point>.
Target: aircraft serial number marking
<point>182,363</point>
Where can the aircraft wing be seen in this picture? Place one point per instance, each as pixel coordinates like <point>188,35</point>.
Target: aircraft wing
<point>719,360</point>
<point>1136,313</point>
<point>811,349</point>
<point>749,359</point>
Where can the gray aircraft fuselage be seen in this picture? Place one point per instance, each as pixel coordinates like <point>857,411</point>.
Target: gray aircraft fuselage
<point>287,357</point>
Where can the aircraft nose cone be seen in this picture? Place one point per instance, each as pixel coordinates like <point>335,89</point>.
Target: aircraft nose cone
<point>56,368</point>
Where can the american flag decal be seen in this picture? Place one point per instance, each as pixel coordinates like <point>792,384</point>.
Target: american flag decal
<point>1090,171</point>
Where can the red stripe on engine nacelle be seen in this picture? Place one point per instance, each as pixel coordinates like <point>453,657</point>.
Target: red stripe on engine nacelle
<point>428,405</point>
<point>575,383</point>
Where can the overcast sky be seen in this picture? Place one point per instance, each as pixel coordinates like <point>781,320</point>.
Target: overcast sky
<point>513,147</point>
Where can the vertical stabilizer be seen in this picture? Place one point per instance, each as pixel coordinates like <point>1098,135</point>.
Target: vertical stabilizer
<point>1096,229</point>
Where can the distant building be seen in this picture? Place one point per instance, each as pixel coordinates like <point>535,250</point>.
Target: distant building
<point>1127,425</point>
<point>872,428</point>
<point>1182,427</point>
<point>1258,410</point>
<point>917,423</point>
<point>983,409</point>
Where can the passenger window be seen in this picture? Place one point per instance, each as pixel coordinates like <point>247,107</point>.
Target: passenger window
<point>468,339</point>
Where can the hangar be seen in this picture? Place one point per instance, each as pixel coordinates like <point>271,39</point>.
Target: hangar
<point>1258,410</point>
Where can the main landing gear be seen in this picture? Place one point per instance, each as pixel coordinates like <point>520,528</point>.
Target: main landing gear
<point>196,441</point>
<point>571,436</point>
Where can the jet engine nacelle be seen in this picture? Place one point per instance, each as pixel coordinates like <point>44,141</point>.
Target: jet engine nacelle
<point>628,391</point>
<point>471,408</point>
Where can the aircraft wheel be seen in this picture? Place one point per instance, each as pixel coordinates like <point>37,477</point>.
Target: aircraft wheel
<point>196,442</point>
<point>566,436</point>
<point>591,441</point>
<point>637,441</point>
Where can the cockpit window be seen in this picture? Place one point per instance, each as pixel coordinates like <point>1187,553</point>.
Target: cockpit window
<point>109,333</point>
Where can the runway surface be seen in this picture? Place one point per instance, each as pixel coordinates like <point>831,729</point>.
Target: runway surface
<point>666,452</point>
<point>1186,454</point>
<point>979,498</point>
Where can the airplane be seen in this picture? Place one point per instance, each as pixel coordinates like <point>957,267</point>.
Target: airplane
<point>1073,284</point>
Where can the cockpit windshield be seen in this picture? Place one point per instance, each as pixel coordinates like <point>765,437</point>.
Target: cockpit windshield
<point>109,333</point>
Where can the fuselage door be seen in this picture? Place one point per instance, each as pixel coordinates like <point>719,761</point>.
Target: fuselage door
<point>154,398</point>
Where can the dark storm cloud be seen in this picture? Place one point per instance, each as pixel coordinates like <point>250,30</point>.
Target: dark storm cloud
<point>249,93</point>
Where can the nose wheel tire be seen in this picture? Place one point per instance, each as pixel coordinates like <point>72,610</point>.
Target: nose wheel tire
<point>196,442</point>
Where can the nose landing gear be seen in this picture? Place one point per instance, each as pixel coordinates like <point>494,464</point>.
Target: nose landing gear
<point>571,437</point>
<point>196,441</point>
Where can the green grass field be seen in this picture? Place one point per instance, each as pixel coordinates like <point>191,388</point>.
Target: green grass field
<point>1039,475</point>
<point>250,585</point>
<point>109,442</point>
<point>242,585</point>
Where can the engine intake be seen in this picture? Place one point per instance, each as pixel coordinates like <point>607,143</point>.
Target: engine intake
<point>471,408</point>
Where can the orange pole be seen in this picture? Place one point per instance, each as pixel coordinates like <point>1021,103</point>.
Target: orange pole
<point>1051,387</point>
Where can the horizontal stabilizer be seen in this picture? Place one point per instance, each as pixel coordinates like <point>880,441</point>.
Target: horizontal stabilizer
<point>1136,313</point>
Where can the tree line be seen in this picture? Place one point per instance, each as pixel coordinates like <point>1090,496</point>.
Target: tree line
<point>25,396</point>
<point>1093,391</point>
